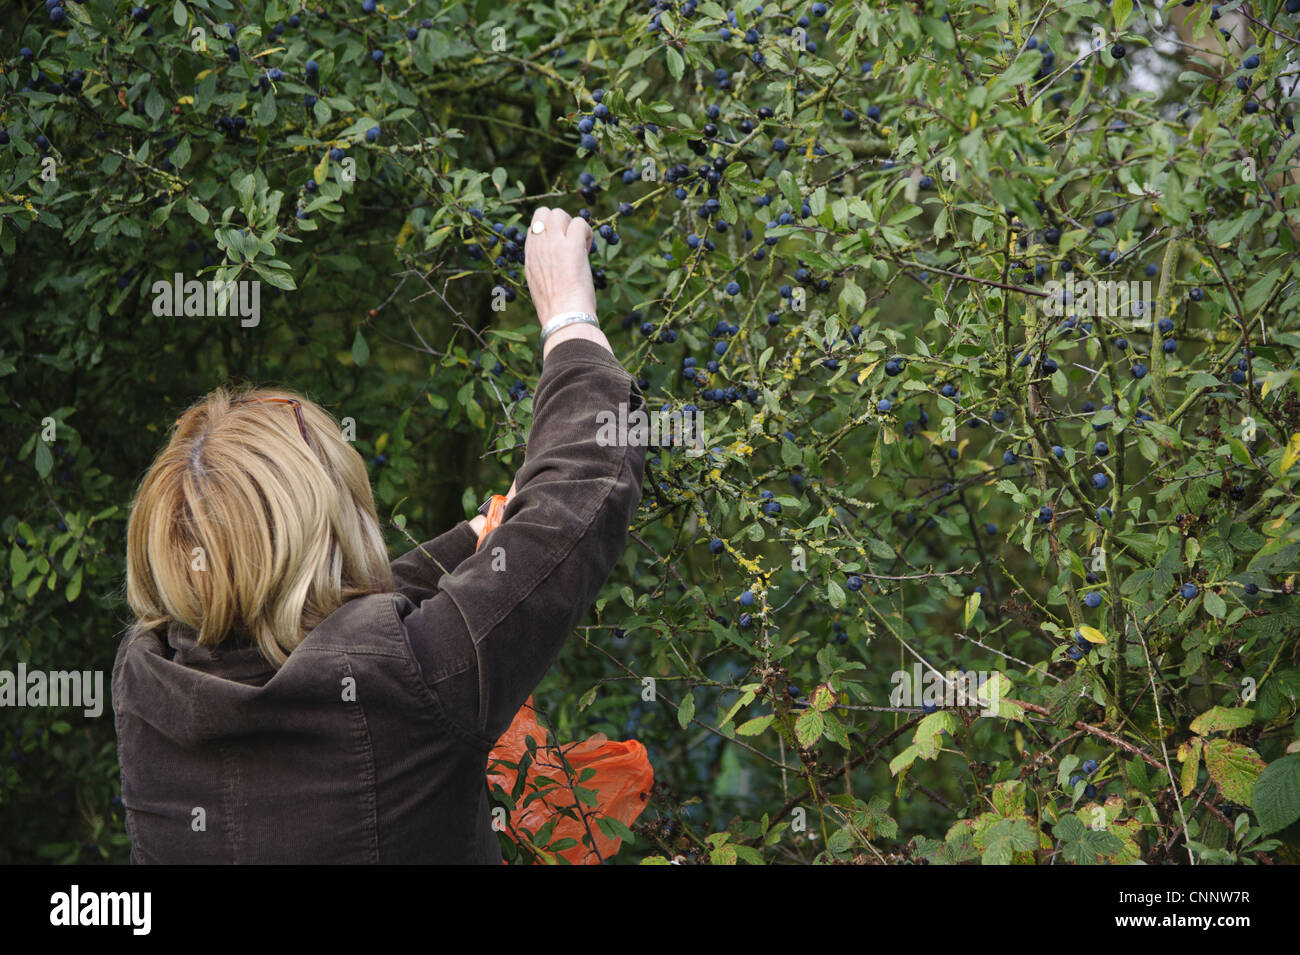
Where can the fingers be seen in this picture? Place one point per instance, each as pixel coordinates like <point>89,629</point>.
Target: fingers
<point>579,231</point>
<point>557,220</point>
<point>559,223</point>
<point>539,215</point>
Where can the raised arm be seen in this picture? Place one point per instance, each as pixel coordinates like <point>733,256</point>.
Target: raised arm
<point>498,621</point>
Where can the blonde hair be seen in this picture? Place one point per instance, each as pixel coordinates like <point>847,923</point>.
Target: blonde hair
<point>242,525</point>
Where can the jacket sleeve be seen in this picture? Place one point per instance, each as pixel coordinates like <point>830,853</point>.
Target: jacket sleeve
<point>417,572</point>
<point>498,621</point>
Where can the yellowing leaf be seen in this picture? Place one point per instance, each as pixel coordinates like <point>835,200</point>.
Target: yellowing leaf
<point>1234,767</point>
<point>321,170</point>
<point>1290,455</point>
<point>404,236</point>
<point>1093,635</point>
<point>1189,754</point>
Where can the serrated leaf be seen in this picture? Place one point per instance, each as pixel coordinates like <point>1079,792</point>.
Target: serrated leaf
<point>808,728</point>
<point>1222,719</point>
<point>841,841</point>
<point>1069,828</point>
<point>929,733</point>
<point>1234,767</point>
<point>835,730</point>
<point>1276,796</point>
<point>903,760</point>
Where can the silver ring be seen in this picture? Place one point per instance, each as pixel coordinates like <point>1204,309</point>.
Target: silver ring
<point>539,227</point>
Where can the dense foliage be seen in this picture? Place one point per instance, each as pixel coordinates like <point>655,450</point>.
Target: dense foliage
<point>831,229</point>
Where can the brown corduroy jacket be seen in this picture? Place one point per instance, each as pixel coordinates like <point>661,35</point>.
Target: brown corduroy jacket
<point>370,743</point>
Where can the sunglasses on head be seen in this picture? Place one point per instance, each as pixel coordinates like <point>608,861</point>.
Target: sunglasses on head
<point>297,410</point>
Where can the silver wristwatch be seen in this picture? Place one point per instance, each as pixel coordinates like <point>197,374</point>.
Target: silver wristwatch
<point>565,319</point>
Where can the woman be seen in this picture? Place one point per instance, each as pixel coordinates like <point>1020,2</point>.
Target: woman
<point>287,694</point>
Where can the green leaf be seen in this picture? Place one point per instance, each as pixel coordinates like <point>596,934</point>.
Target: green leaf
<point>1222,719</point>
<point>1101,842</point>
<point>1021,71</point>
<point>808,728</point>
<point>44,459</point>
<point>266,110</point>
<point>841,841</point>
<point>154,104</point>
<point>755,726</point>
<point>1214,604</point>
<point>1259,291</point>
<point>903,760</point>
<point>676,66</point>
<point>686,709</point>
<point>280,279</point>
<point>1121,9</point>
<point>181,154</point>
<point>474,411</point>
<point>789,188</point>
<point>852,298</point>
<point>73,590</point>
<point>929,733</point>
<point>615,829</point>
<point>1006,837</point>
<point>1278,696</point>
<point>835,730</point>
<point>1066,769</point>
<point>1276,796</point>
<point>1069,828</point>
<point>244,190</point>
<point>360,350</point>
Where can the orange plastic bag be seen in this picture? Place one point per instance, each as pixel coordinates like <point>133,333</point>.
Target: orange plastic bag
<point>620,777</point>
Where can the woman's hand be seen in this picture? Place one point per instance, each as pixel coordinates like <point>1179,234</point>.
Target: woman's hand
<point>555,263</point>
<point>478,522</point>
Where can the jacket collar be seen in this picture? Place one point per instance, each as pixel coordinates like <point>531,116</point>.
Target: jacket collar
<point>236,658</point>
